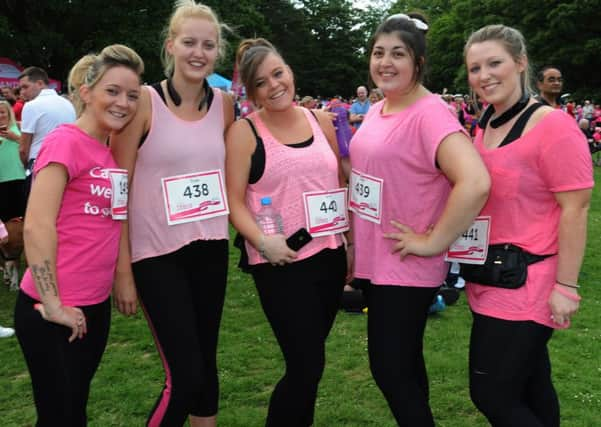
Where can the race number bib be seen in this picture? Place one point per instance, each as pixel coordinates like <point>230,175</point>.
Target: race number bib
<point>472,246</point>
<point>366,196</point>
<point>325,212</point>
<point>194,197</point>
<point>118,179</point>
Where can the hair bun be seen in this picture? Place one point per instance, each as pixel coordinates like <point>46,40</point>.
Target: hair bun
<point>248,44</point>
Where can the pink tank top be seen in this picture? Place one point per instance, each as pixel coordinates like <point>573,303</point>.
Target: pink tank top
<point>173,147</point>
<point>289,172</point>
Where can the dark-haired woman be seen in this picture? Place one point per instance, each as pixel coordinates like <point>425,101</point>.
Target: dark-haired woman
<point>287,153</point>
<point>416,184</point>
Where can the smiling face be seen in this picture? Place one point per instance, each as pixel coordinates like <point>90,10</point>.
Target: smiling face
<point>113,100</point>
<point>273,84</point>
<point>194,48</point>
<point>391,65</point>
<point>493,74</point>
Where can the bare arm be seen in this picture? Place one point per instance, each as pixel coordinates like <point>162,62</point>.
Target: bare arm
<point>40,237</point>
<point>228,110</point>
<point>461,164</point>
<point>572,242</point>
<point>25,146</point>
<point>240,145</point>
<point>124,146</point>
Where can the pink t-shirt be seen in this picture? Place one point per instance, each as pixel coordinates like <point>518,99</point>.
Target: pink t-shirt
<point>401,149</point>
<point>552,157</point>
<point>88,238</point>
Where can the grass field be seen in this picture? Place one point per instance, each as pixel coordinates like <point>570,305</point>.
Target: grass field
<point>130,375</point>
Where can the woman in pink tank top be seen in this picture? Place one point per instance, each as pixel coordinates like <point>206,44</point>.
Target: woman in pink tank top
<point>63,311</point>
<point>542,180</point>
<point>174,246</point>
<point>290,155</point>
<point>416,184</point>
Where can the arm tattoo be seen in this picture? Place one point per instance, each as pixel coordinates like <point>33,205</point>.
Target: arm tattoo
<point>43,278</point>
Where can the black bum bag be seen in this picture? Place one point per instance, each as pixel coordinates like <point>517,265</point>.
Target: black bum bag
<point>506,267</point>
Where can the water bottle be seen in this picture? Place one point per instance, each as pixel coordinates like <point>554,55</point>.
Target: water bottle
<point>268,219</point>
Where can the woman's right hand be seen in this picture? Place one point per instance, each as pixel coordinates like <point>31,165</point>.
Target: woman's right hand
<point>124,293</point>
<point>276,251</point>
<point>71,317</point>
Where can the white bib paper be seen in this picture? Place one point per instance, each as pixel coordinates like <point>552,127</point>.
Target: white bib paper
<point>472,246</point>
<point>194,197</point>
<point>326,212</point>
<point>118,179</point>
<point>366,196</point>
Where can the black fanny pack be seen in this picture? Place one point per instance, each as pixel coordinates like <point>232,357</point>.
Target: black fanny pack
<point>506,267</point>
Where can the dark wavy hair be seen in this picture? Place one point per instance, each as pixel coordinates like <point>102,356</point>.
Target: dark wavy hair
<point>413,38</point>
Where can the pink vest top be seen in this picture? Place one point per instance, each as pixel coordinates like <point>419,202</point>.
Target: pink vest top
<point>289,172</point>
<point>173,147</point>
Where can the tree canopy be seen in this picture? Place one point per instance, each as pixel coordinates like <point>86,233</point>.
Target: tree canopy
<point>324,41</point>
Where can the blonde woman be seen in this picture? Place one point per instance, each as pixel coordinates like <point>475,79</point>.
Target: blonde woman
<point>174,249</point>
<point>63,312</point>
<point>542,177</point>
<point>12,178</point>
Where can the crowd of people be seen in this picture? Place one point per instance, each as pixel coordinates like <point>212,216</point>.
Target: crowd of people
<point>128,189</point>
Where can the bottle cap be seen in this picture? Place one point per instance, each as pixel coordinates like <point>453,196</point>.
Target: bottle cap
<point>265,201</point>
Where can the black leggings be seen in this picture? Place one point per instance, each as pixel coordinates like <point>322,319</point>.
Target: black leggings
<point>182,295</point>
<point>300,301</point>
<point>510,373</point>
<point>13,200</point>
<point>395,329</point>
<point>61,372</point>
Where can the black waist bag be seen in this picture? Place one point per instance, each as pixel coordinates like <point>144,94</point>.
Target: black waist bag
<point>506,267</point>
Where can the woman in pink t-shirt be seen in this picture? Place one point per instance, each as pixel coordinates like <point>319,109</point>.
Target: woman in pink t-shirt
<point>416,184</point>
<point>541,174</point>
<point>63,312</point>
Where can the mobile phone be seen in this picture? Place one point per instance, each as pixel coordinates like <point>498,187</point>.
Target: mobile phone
<point>299,239</point>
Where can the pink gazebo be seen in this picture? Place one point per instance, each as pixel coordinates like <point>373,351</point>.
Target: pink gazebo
<point>9,74</point>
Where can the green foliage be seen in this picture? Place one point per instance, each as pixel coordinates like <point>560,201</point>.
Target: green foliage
<point>324,41</point>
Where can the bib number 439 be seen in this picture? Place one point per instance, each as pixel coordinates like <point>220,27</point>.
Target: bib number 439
<point>366,196</point>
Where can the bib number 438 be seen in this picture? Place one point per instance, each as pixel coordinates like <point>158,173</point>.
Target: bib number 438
<point>194,197</point>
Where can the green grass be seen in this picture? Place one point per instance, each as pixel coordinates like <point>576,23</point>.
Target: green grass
<point>130,375</point>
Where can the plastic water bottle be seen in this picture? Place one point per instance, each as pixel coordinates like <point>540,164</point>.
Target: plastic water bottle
<point>268,219</point>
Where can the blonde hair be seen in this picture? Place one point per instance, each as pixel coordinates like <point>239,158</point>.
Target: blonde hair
<point>91,68</point>
<point>11,114</point>
<point>250,55</point>
<point>183,9</point>
<point>512,41</point>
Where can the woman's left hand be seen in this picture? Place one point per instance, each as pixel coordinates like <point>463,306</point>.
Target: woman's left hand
<point>410,242</point>
<point>562,307</point>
